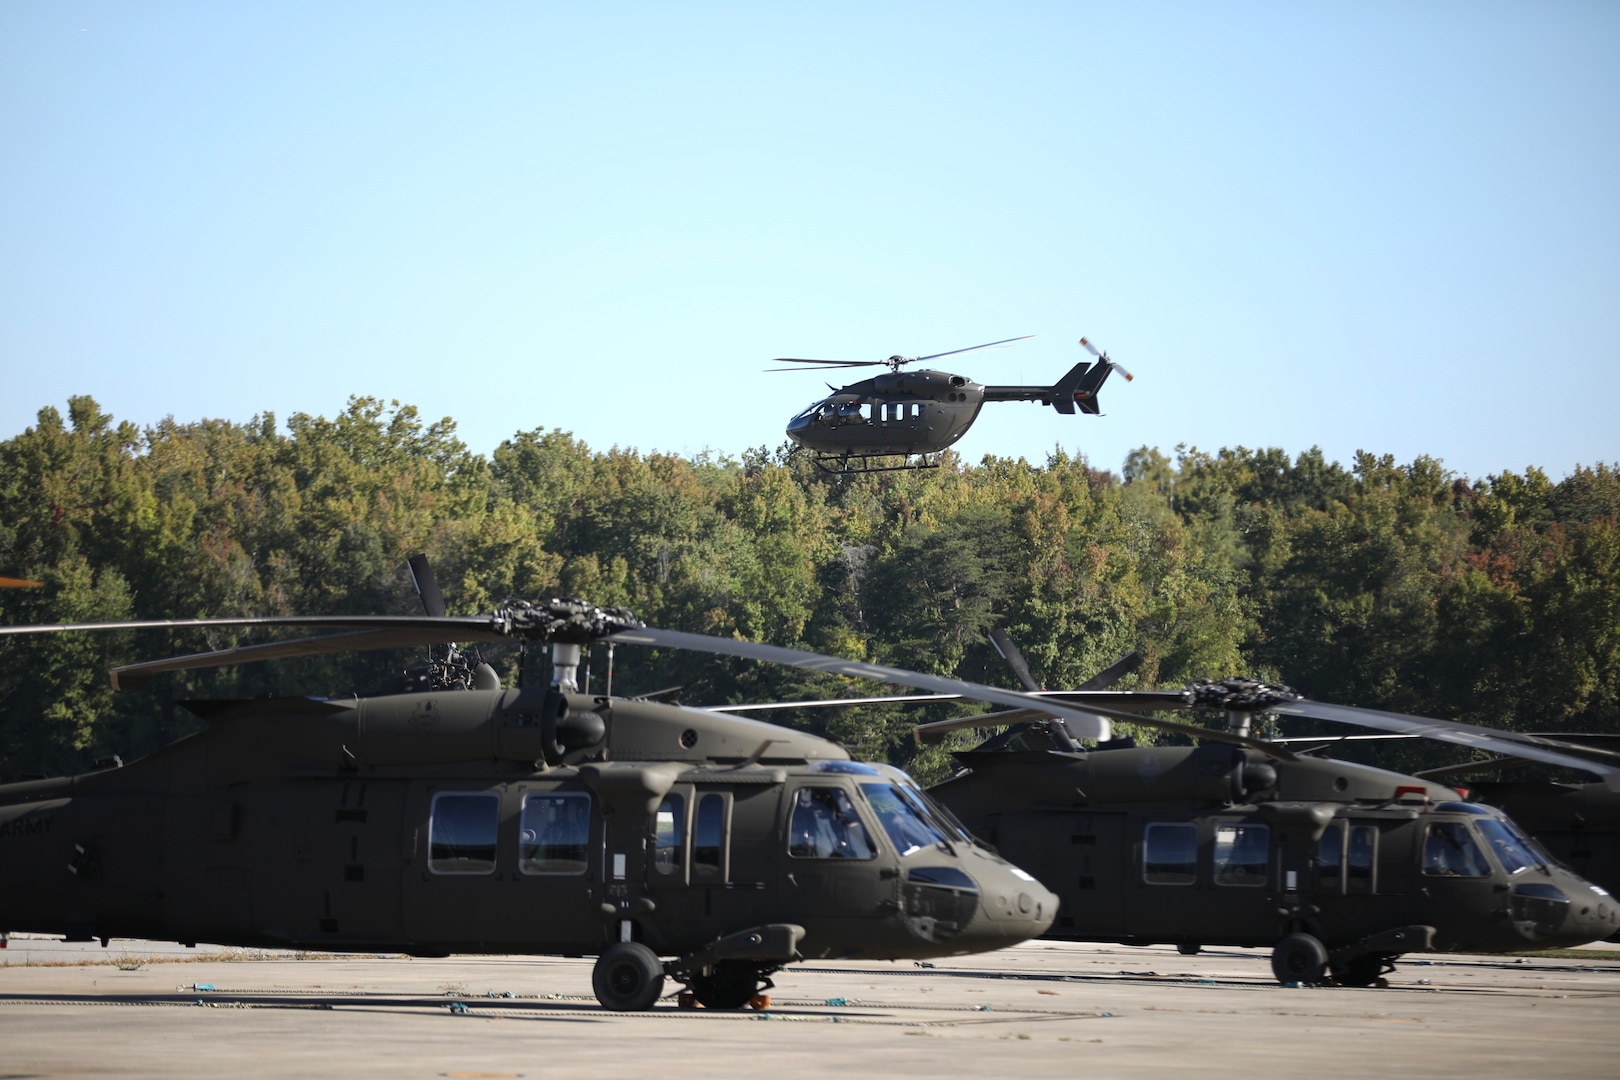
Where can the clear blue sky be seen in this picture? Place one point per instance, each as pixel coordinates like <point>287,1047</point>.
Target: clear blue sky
<point>1382,226</point>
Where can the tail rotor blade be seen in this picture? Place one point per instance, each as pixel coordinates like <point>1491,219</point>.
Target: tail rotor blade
<point>426,587</point>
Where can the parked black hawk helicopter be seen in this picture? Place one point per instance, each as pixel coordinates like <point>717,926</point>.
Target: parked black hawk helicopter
<point>534,819</point>
<point>912,413</point>
<point>1337,867</point>
<point>1578,822</point>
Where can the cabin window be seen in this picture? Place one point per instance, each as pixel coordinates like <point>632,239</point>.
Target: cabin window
<point>1362,858</point>
<point>1242,853</point>
<point>709,835</point>
<point>825,825</point>
<point>906,824</point>
<point>1170,854</point>
<point>1330,858</point>
<point>555,834</point>
<point>669,831</point>
<point>1449,851</point>
<point>1505,846</point>
<point>461,832</point>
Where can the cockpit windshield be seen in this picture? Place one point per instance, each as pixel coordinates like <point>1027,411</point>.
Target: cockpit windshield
<point>1505,846</point>
<point>905,822</point>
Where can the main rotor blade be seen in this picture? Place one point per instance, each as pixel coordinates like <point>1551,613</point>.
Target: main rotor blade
<point>1114,672</point>
<point>887,699</point>
<point>929,734</point>
<point>448,627</point>
<point>822,363</point>
<point>1490,740</point>
<point>426,587</point>
<point>973,348</point>
<point>1015,659</point>
<point>136,676</point>
<point>1090,726</point>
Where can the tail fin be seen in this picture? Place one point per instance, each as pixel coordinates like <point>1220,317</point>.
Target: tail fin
<point>1080,387</point>
<point>1064,390</point>
<point>1085,395</point>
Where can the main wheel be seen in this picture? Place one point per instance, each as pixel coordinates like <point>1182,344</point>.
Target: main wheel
<point>628,977</point>
<point>730,986</point>
<point>1299,958</point>
<point>1364,970</point>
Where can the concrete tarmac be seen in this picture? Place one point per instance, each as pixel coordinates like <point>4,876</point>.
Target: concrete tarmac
<point>146,1009</point>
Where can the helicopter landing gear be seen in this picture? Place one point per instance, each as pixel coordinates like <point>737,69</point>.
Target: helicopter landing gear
<point>1299,958</point>
<point>731,985</point>
<point>853,464</point>
<point>628,977</point>
<point>1189,950</point>
<point>1363,970</point>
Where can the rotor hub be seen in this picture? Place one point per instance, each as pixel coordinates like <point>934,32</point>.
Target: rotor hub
<point>1239,695</point>
<point>571,621</point>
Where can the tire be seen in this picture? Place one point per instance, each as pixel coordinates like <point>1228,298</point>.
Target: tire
<point>1299,958</point>
<point>731,985</point>
<point>1364,970</point>
<point>1189,950</point>
<point>628,977</point>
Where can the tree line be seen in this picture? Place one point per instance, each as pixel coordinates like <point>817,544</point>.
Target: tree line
<point>1389,585</point>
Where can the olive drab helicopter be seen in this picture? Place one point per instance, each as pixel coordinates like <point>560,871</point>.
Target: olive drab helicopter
<point>907,414</point>
<point>477,818</point>
<point>1578,822</point>
<point>1338,868</point>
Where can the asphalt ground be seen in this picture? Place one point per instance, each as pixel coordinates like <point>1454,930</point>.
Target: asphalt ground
<point>147,1009</point>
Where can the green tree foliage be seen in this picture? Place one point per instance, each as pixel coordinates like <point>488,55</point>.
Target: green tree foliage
<point>1392,585</point>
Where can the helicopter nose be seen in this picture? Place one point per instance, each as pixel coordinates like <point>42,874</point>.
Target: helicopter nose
<point>1013,905</point>
<point>994,906</point>
<point>1571,912</point>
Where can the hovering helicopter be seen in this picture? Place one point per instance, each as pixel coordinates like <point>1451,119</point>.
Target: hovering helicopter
<point>472,817</point>
<point>1339,868</point>
<point>921,413</point>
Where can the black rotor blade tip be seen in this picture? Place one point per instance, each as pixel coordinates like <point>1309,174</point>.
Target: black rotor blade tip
<point>426,587</point>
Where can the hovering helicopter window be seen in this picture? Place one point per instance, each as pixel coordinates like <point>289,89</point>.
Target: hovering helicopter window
<point>709,835</point>
<point>1242,853</point>
<point>461,833</point>
<point>1170,854</point>
<point>905,823</point>
<point>1450,851</point>
<point>670,831</point>
<point>825,825</point>
<point>1509,852</point>
<point>1330,859</point>
<point>555,835</point>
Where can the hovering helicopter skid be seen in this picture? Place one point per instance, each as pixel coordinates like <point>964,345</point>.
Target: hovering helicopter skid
<point>858,464</point>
